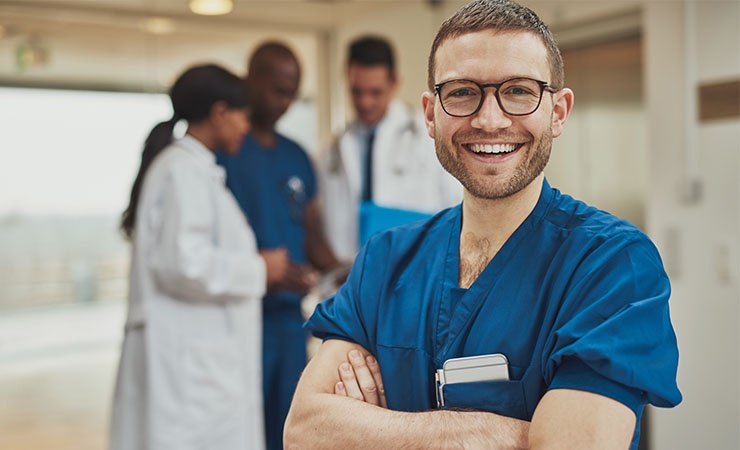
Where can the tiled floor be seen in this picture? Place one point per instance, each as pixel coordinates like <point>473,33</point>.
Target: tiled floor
<point>57,373</point>
<point>57,369</point>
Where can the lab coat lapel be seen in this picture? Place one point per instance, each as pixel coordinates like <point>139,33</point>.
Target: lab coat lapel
<point>391,150</point>
<point>206,158</point>
<point>349,148</point>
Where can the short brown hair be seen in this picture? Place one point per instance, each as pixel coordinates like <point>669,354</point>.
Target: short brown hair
<point>371,51</point>
<point>498,15</point>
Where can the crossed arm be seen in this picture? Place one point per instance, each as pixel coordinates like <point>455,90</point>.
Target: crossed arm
<point>340,403</point>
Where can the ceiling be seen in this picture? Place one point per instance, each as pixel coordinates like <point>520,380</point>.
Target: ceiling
<point>305,14</point>
<point>109,44</point>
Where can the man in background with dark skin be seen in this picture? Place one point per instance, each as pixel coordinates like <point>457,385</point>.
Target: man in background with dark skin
<point>274,182</point>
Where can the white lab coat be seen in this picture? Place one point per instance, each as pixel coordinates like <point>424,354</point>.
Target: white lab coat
<point>190,372</point>
<point>406,174</point>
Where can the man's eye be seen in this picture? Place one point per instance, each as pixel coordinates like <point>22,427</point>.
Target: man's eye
<point>518,91</point>
<point>462,92</point>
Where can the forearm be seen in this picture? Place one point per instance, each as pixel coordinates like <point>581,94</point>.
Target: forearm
<point>328,421</point>
<point>317,247</point>
<point>320,255</point>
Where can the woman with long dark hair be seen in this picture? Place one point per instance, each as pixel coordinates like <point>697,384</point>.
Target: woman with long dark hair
<point>189,375</point>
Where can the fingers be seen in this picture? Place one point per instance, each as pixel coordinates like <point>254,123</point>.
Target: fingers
<point>299,278</point>
<point>374,368</point>
<point>361,379</point>
<point>349,382</point>
<point>365,378</point>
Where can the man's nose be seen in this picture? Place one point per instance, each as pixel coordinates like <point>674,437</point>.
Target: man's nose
<point>490,116</point>
<point>366,100</point>
<point>286,101</point>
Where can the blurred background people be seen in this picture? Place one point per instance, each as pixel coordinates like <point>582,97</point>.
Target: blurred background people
<point>189,374</point>
<point>274,182</point>
<point>384,158</point>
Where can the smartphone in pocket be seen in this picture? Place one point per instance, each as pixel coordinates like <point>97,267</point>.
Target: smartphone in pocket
<point>471,369</point>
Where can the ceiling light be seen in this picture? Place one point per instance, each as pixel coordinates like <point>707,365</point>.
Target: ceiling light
<point>211,7</point>
<point>30,53</point>
<point>158,25</point>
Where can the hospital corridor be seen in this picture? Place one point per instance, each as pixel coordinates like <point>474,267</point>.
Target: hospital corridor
<point>653,138</point>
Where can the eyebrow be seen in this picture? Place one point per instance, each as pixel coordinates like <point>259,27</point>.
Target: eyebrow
<point>508,77</point>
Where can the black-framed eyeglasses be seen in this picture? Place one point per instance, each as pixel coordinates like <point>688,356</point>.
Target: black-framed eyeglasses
<point>515,97</point>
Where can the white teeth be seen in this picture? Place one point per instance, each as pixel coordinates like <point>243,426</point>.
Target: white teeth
<point>493,148</point>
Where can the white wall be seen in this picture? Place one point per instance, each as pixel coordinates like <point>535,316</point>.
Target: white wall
<point>601,157</point>
<point>686,45</point>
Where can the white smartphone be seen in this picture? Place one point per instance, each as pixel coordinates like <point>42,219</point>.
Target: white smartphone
<point>470,369</point>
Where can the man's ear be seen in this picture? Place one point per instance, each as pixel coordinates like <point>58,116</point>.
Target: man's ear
<point>395,83</point>
<point>562,105</point>
<point>427,103</point>
<point>218,109</point>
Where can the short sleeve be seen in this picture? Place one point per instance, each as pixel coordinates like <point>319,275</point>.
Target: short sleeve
<point>341,316</point>
<point>310,178</point>
<point>572,373</point>
<point>613,335</point>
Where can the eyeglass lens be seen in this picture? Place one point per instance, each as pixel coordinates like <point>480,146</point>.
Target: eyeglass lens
<point>518,96</point>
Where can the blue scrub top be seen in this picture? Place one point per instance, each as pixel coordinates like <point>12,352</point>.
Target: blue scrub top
<point>272,187</point>
<point>576,298</point>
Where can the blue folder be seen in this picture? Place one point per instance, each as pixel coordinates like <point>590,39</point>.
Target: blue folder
<point>374,218</point>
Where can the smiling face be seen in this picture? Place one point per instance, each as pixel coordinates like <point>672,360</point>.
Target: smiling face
<point>273,90</point>
<point>371,89</point>
<point>495,155</point>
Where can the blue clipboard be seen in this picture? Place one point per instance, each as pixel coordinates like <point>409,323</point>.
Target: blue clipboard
<point>374,218</point>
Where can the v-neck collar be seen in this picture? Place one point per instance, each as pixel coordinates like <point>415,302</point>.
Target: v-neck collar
<point>458,306</point>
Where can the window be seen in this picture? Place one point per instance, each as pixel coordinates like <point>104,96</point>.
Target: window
<point>67,160</point>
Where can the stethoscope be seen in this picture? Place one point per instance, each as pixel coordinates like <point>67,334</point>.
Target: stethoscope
<point>398,165</point>
<point>295,191</point>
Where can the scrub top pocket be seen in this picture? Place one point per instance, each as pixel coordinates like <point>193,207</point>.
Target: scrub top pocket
<point>500,397</point>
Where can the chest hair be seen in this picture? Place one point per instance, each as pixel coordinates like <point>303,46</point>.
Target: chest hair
<point>475,254</point>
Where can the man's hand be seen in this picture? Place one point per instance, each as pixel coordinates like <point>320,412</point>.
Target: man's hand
<point>320,418</point>
<point>277,262</point>
<point>298,278</point>
<point>285,275</point>
<point>360,379</point>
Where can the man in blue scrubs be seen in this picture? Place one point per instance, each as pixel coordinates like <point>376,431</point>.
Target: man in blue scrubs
<point>274,182</point>
<point>574,298</point>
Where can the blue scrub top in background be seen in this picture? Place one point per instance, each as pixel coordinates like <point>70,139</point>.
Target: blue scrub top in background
<point>576,298</point>
<point>272,187</point>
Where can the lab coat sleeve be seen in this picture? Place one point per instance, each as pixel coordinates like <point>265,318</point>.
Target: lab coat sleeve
<point>189,258</point>
<point>614,335</point>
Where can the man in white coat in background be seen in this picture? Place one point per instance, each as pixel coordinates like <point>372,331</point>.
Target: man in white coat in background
<point>384,158</point>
